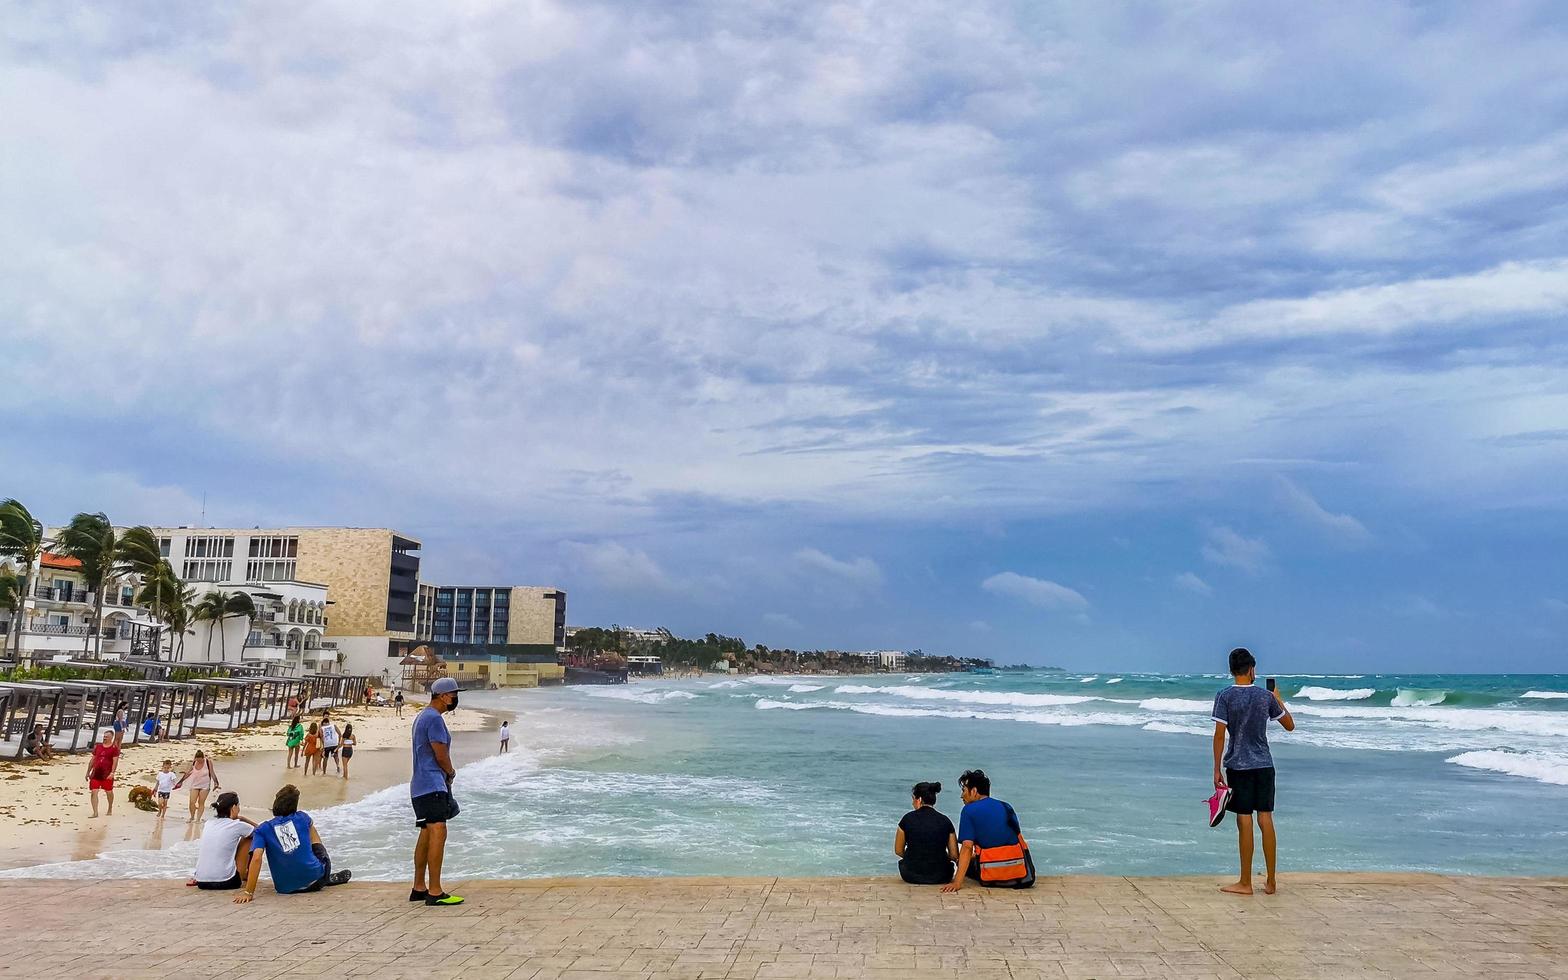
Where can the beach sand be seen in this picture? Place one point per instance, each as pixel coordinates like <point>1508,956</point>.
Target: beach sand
<point>45,815</point>
<point>1334,926</point>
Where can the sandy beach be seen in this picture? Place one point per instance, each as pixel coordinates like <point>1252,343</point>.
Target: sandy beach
<point>45,815</point>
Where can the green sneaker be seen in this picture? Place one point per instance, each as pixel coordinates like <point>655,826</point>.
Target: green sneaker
<point>444,899</point>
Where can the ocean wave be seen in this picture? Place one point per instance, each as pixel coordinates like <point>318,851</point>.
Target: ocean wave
<point>1545,695</point>
<point>1091,677</point>
<point>767,680</point>
<point>1114,680</point>
<point>1181,705</point>
<point>1331,694</point>
<point>1413,698</point>
<point>1165,726</point>
<point>618,693</point>
<point>768,704</point>
<point>1009,698</point>
<point>805,688</point>
<point>1543,767</point>
<point>717,685</point>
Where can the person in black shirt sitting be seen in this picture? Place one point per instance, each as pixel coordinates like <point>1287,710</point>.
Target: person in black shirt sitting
<point>926,843</point>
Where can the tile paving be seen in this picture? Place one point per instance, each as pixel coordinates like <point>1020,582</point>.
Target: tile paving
<point>1319,926</point>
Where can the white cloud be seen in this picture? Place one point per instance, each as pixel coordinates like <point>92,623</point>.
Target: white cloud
<point>1343,528</point>
<point>615,566</point>
<point>1224,546</point>
<point>861,572</point>
<point>1035,591</point>
<point>1192,583</point>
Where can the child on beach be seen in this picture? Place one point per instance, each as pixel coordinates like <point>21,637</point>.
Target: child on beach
<point>506,737</point>
<point>1244,710</point>
<point>166,777</point>
<point>312,749</point>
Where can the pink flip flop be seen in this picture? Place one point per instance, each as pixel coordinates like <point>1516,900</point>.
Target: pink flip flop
<point>1217,804</point>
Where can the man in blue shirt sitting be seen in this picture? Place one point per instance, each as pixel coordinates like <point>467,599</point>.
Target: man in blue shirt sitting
<point>294,852</point>
<point>984,823</point>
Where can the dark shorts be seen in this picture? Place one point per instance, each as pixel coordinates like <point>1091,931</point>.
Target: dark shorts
<point>329,751</point>
<point>914,878</point>
<point>320,850</point>
<point>436,807</point>
<point>221,886</point>
<point>1250,790</point>
<point>348,751</point>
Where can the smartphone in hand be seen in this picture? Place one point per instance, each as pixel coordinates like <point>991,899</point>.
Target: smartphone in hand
<point>1270,683</point>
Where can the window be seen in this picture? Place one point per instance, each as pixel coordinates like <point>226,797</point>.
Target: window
<point>163,547</point>
<point>207,570</point>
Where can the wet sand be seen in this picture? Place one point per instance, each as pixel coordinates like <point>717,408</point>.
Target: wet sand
<point>45,815</point>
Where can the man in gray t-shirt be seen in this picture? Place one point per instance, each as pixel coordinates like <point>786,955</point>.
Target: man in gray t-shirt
<point>1243,711</point>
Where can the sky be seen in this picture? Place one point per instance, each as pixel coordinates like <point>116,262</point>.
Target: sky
<point>1098,335</point>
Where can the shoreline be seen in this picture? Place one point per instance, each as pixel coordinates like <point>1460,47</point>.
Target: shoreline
<point>1319,926</point>
<point>45,816</point>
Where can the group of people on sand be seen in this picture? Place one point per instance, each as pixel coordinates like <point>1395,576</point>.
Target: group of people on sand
<point>311,747</point>
<point>988,845</point>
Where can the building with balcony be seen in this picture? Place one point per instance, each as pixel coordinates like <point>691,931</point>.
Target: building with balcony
<point>508,635</point>
<point>57,617</point>
<point>370,574</point>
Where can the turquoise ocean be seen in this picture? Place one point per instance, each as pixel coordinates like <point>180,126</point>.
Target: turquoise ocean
<point>1457,773</point>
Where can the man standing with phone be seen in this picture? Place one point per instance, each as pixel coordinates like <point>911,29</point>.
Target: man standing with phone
<point>431,790</point>
<point>1244,712</point>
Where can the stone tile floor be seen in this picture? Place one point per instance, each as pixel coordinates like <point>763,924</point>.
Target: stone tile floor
<point>1319,925</point>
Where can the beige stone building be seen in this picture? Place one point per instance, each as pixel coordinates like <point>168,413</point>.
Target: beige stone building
<point>370,577</point>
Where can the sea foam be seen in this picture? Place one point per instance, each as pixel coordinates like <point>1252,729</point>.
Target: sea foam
<point>1409,698</point>
<point>1546,695</point>
<point>1544,767</point>
<point>1010,698</point>
<point>1331,694</point>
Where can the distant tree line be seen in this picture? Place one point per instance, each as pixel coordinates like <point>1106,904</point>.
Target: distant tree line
<point>713,648</point>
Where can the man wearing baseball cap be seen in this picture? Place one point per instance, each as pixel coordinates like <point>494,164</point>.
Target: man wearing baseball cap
<point>431,789</point>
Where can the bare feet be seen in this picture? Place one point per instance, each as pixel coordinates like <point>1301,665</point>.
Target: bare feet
<point>1269,887</point>
<point>1239,888</point>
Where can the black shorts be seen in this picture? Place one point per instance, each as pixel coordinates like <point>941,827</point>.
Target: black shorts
<point>220,886</point>
<point>438,807</point>
<point>1250,789</point>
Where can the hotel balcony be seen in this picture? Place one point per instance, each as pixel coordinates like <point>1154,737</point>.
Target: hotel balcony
<point>62,595</point>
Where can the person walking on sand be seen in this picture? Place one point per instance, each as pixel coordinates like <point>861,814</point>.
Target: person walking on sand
<point>506,738</point>
<point>347,747</point>
<point>295,738</point>
<point>1244,711</point>
<point>330,740</point>
<point>225,846</point>
<point>100,770</point>
<point>167,778</point>
<point>312,749</point>
<point>431,793</point>
<point>397,703</point>
<point>203,779</point>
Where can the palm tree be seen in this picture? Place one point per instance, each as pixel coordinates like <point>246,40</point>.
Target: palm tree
<point>179,614</point>
<point>217,607</point>
<point>141,558</point>
<point>107,555</point>
<point>170,601</point>
<point>212,609</point>
<point>22,538</point>
<point>91,539</point>
<point>241,604</point>
<point>13,589</point>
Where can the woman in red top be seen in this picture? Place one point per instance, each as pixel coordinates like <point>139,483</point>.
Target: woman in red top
<point>100,771</point>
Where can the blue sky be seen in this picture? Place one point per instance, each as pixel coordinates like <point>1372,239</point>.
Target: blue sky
<point>1069,333</point>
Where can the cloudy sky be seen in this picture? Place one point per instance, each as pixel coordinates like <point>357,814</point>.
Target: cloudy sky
<point>1073,333</point>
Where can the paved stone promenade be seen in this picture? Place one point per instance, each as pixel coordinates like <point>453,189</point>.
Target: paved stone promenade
<point>1338,926</point>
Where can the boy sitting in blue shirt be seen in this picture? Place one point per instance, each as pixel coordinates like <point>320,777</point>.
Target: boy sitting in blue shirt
<point>983,823</point>
<point>294,852</point>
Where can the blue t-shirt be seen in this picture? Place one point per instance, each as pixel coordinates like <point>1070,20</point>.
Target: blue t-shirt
<point>150,726</point>
<point>989,823</point>
<point>1246,710</point>
<point>429,728</point>
<point>290,858</point>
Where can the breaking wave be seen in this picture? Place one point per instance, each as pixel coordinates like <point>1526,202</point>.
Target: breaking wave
<point>1330,694</point>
